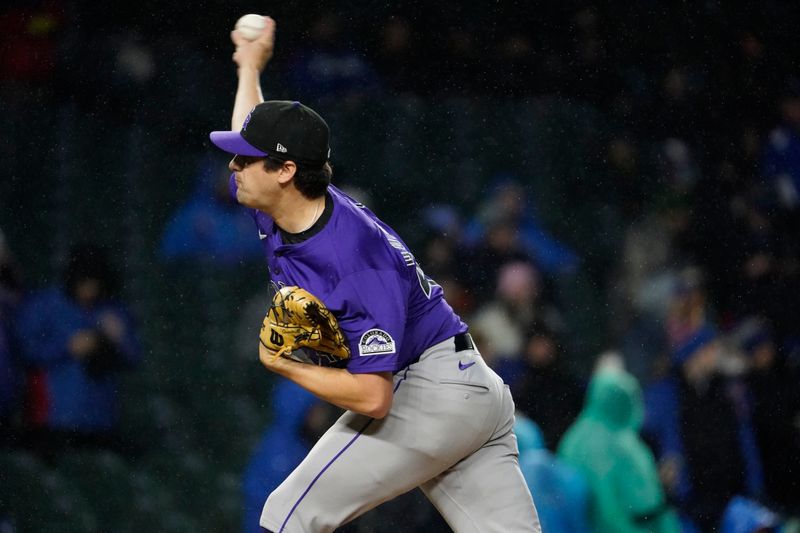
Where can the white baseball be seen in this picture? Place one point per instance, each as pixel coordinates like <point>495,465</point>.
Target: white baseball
<point>250,26</point>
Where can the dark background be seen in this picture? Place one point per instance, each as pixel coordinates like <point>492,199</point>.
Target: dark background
<point>105,111</point>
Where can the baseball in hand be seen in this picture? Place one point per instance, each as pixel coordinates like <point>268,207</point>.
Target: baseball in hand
<point>250,26</point>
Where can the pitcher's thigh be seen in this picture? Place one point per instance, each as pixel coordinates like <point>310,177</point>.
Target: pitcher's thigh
<point>485,492</point>
<point>352,469</point>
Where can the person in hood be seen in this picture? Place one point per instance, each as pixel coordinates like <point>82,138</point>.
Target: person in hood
<point>604,445</point>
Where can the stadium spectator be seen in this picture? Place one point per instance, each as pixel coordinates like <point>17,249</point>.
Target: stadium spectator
<point>498,245</point>
<point>688,307</point>
<point>509,209</point>
<point>773,380</point>
<point>604,445</point>
<point>443,256</point>
<point>208,227</point>
<point>545,389</point>
<point>644,284</point>
<point>743,515</point>
<point>443,243</point>
<point>699,421</point>
<point>76,339</point>
<point>561,491</point>
<point>762,261</point>
<point>504,322</point>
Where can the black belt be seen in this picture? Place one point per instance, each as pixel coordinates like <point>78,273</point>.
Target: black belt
<point>464,342</point>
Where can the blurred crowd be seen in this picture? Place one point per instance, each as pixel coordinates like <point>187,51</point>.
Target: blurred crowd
<point>684,414</point>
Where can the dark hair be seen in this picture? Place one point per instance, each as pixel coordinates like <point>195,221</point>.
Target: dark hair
<point>312,183</point>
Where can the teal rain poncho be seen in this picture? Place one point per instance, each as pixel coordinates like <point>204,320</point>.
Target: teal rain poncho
<point>604,444</point>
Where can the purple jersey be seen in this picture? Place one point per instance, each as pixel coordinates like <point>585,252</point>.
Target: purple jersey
<point>387,308</point>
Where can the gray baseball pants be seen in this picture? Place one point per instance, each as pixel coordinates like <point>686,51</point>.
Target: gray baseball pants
<point>449,432</point>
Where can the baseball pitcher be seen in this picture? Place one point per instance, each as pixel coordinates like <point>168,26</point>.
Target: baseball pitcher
<point>355,321</point>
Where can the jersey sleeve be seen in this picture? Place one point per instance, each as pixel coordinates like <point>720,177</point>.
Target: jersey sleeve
<point>372,315</point>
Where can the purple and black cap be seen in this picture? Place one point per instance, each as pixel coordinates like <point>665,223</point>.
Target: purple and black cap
<point>279,129</point>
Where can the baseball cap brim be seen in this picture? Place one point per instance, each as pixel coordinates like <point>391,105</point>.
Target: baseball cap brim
<point>233,142</point>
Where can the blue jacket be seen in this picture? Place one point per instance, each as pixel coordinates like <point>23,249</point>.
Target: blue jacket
<point>208,226</point>
<point>551,255</point>
<point>663,425</point>
<point>560,492</point>
<point>747,516</point>
<point>67,395</point>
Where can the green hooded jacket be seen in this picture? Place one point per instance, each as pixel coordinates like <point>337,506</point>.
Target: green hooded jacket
<point>604,444</point>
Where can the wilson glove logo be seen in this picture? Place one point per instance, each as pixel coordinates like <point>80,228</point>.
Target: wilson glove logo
<point>275,338</point>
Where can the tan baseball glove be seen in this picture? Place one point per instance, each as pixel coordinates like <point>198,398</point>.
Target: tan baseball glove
<point>298,326</point>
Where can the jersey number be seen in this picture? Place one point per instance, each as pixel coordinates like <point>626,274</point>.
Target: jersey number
<point>425,282</point>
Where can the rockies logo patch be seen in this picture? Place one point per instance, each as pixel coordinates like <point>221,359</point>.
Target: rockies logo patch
<point>375,342</point>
